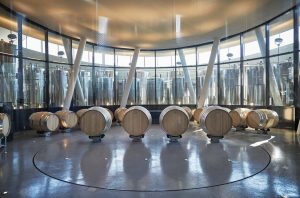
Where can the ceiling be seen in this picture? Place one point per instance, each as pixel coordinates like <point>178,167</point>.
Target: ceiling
<point>149,24</point>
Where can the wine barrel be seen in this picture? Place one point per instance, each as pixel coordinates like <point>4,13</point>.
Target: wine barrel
<point>262,119</point>
<point>5,124</point>
<point>174,120</point>
<point>188,111</point>
<point>136,120</point>
<point>111,113</point>
<point>197,113</point>
<point>44,121</point>
<point>80,112</point>
<point>119,113</point>
<point>67,119</point>
<point>215,121</point>
<point>238,117</point>
<point>95,121</point>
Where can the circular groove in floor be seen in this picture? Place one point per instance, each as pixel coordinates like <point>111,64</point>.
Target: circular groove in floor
<point>151,165</point>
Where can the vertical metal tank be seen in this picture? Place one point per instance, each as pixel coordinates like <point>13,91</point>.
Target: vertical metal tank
<point>59,81</point>
<point>104,88</point>
<point>34,84</point>
<point>152,89</point>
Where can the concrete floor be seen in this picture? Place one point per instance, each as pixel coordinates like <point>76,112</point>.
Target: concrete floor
<point>244,164</point>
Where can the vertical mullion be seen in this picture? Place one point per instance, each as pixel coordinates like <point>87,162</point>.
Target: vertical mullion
<point>242,69</point>
<point>155,77</point>
<point>115,78</point>
<point>20,98</point>
<point>93,76</point>
<point>218,79</point>
<point>197,83</point>
<point>267,66</point>
<point>296,66</point>
<point>47,72</point>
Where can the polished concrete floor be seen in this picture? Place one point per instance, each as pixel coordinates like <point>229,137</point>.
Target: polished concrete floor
<point>243,164</point>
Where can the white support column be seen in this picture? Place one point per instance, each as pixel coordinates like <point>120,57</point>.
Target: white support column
<point>74,74</point>
<point>273,83</point>
<point>68,49</point>
<point>187,76</point>
<point>130,77</point>
<point>209,72</point>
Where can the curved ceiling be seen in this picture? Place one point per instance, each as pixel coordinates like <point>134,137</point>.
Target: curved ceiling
<point>149,24</point>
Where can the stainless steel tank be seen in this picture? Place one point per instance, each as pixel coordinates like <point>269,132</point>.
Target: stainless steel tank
<point>83,91</point>
<point>255,85</point>
<point>104,90</point>
<point>178,88</point>
<point>8,81</point>
<point>152,89</point>
<point>212,91</point>
<point>58,89</point>
<point>34,84</point>
<point>230,86</point>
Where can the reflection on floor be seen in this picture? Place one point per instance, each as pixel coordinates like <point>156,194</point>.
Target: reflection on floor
<point>70,165</point>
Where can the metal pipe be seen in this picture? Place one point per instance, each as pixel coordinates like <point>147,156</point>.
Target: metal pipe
<point>74,74</point>
<point>130,77</point>
<point>187,76</point>
<point>209,72</point>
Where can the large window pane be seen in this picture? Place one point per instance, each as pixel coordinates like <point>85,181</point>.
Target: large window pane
<point>58,84</point>
<point>165,58</point>
<point>83,93</point>
<point>121,78</point>
<point>104,86</point>
<point>230,84</point>
<point>34,84</point>
<point>146,59</point>
<point>59,48</point>
<point>123,58</point>
<point>165,79</point>
<point>251,46</point>
<point>212,92</point>
<point>8,80</point>
<point>8,33</point>
<point>185,85</point>
<point>203,54</point>
<point>186,57</point>
<point>282,80</point>
<point>282,34</point>
<point>104,56</point>
<point>230,50</point>
<point>33,41</point>
<point>254,82</point>
<point>87,55</point>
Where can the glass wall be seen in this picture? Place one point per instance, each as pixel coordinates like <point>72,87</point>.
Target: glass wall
<point>281,74</point>
<point>230,78</point>
<point>171,76</point>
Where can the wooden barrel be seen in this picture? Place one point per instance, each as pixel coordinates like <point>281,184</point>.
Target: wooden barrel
<point>197,113</point>
<point>262,119</point>
<point>188,111</point>
<point>79,113</point>
<point>215,121</point>
<point>136,121</point>
<point>5,124</point>
<point>44,121</point>
<point>67,119</point>
<point>238,117</point>
<point>95,121</point>
<point>174,120</point>
<point>119,113</point>
<point>111,113</point>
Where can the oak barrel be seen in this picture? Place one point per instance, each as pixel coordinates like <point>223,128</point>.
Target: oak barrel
<point>262,119</point>
<point>95,121</point>
<point>238,117</point>
<point>5,124</point>
<point>136,120</point>
<point>119,113</point>
<point>174,120</point>
<point>80,112</point>
<point>188,111</point>
<point>196,114</point>
<point>44,121</point>
<point>215,121</point>
<point>67,119</point>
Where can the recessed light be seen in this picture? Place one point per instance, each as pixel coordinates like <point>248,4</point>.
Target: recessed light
<point>5,192</point>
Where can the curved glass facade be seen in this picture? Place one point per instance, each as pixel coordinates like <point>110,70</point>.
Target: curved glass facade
<point>255,67</point>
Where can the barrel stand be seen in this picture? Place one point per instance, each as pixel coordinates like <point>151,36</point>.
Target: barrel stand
<point>97,138</point>
<point>174,138</point>
<point>136,138</point>
<point>215,139</point>
<point>44,133</point>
